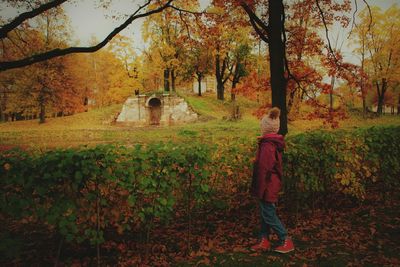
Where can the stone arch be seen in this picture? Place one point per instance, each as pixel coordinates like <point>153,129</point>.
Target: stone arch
<point>154,104</point>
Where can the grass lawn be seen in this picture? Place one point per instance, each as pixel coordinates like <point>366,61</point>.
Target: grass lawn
<point>94,127</point>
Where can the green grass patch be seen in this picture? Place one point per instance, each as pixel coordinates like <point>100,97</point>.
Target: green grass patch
<point>95,127</point>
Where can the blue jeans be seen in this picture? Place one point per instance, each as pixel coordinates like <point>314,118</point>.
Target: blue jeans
<point>269,220</point>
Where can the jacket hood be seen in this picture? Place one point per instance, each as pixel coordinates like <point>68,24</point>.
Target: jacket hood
<point>276,139</point>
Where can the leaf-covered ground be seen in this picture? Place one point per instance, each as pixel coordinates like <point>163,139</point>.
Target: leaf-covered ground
<point>347,234</point>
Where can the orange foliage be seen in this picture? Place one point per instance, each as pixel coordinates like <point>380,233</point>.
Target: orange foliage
<point>252,86</point>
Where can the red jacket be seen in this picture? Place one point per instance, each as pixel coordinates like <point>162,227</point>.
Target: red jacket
<point>267,170</point>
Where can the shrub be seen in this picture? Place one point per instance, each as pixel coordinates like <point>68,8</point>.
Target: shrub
<point>79,193</point>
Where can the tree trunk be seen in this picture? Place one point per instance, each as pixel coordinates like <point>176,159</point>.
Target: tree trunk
<point>331,93</point>
<point>277,55</point>
<point>42,106</point>
<point>380,105</point>
<point>398,106</point>
<point>86,103</point>
<point>291,101</point>
<point>42,115</point>
<point>363,93</point>
<point>381,95</point>
<point>173,79</point>
<point>364,103</point>
<point>220,90</point>
<point>235,80</point>
<point>219,76</point>
<point>236,75</point>
<point>166,80</point>
<point>199,82</point>
<point>2,118</point>
<point>233,94</point>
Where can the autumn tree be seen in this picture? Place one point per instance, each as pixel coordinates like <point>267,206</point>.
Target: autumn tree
<point>241,68</point>
<point>359,37</point>
<point>274,26</point>
<point>229,37</point>
<point>272,32</point>
<point>198,63</point>
<point>267,18</point>
<point>383,45</point>
<point>109,80</point>
<point>45,81</point>
<point>167,32</point>
<point>151,74</point>
<point>126,79</point>
<point>38,7</point>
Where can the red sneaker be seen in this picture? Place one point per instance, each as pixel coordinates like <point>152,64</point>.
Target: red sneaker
<point>264,245</point>
<point>286,247</point>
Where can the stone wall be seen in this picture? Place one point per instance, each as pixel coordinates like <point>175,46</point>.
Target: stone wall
<point>143,110</point>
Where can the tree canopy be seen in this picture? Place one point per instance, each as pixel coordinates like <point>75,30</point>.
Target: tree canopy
<point>185,42</point>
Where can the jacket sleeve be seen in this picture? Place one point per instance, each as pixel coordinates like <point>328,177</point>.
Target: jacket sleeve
<point>266,160</point>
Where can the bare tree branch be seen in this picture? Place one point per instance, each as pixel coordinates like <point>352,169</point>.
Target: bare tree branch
<point>259,26</point>
<point>27,15</point>
<point>188,11</point>
<point>370,15</point>
<point>185,23</point>
<point>354,16</point>
<point>326,31</point>
<point>354,19</point>
<point>62,52</point>
<point>261,34</point>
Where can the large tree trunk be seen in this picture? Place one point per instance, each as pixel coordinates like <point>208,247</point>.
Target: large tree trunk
<point>166,80</point>
<point>220,90</point>
<point>277,55</point>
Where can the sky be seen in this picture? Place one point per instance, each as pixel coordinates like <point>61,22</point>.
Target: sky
<point>88,21</point>
<point>342,34</point>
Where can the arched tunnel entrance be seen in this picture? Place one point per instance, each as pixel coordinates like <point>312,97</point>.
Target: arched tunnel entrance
<point>155,111</point>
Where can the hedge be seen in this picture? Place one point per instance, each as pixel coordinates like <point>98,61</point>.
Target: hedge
<point>344,162</point>
<point>78,193</point>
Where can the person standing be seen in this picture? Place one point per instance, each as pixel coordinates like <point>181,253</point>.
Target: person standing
<point>267,181</point>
